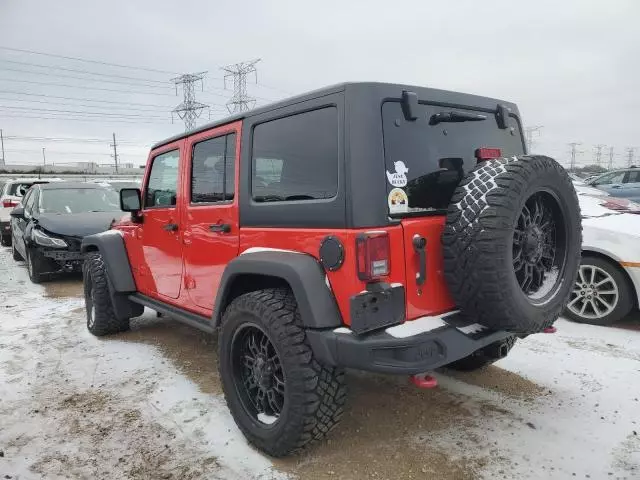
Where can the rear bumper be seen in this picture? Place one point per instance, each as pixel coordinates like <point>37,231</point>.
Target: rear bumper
<point>413,347</point>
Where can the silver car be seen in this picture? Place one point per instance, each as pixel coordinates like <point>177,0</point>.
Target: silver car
<point>623,183</point>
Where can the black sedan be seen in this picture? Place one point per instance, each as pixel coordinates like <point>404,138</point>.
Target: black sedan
<point>48,226</point>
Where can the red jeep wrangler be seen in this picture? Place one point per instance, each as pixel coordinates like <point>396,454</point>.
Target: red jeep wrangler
<point>379,227</point>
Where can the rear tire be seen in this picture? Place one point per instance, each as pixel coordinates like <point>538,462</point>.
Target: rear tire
<point>481,358</point>
<point>512,243</point>
<point>5,240</point>
<point>611,297</point>
<point>101,318</point>
<point>280,397</point>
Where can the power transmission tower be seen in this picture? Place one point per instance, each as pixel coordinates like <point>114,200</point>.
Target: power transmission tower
<point>189,109</point>
<point>528,135</point>
<point>630,155</point>
<point>115,152</point>
<point>240,101</point>
<point>2,144</point>
<point>573,146</point>
<point>610,158</point>
<point>598,153</point>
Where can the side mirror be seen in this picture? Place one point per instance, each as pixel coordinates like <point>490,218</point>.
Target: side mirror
<point>130,200</point>
<point>17,212</point>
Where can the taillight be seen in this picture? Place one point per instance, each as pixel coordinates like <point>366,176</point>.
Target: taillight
<point>372,255</point>
<point>488,153</point>
<point>9,203</point>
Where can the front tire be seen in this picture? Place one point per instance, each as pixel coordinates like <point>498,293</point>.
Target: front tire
<point>279,395</point>
<point>601,295</point>
<point>35,266</point>
<point>5,240</point>
<point>101,318</point>
<point>16,255</point>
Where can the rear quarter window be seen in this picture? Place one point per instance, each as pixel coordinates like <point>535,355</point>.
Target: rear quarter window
<point>296,157</point>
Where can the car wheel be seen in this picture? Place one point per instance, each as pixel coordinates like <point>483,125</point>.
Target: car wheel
<point>101,318</point>
<point>511,243</point>
<point>16,255</point>
<point>34,266</point>
<point>279,395</point>
<point>5,240</point>
<point>601,295</point>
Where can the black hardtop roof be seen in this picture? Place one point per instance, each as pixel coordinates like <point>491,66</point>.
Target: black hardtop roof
<point>69,185</point>
<point>385,90</point>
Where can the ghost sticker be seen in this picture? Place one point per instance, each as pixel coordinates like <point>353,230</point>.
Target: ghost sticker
<point>399,177</point>
<point>398,201</point>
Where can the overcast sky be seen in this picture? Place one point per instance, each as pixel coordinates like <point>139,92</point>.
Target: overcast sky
<point>571,66</point>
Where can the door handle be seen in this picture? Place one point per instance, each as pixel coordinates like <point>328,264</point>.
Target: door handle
<point>419,244</point>
<point>220,227</point>
<point>170,227</point>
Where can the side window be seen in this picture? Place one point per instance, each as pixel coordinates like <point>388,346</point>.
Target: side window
<point>213,170</point>
<point>616,177</point>
<point>162,186</point>
<point>634,176</point>
<point>296,157</point>
<point>28,202</point>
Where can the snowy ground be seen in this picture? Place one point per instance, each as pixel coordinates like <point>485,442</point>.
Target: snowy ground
<point>147,404</point>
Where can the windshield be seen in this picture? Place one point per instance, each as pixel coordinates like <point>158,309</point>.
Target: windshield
<point>78,200</point>
<point>426,158</point>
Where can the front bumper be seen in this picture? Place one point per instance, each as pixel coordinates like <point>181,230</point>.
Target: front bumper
<point>414,347</point>
<point>63,255</point>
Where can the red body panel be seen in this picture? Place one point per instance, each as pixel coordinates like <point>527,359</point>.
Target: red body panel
<point>207,253</point>
<point>433,297</point>
<point>184,268</point>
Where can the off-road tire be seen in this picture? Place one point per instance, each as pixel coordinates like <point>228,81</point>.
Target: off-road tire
<point>101,318</point>
<point>478,242</point>
<point>625,300</point>
<point>314,394</point>
<point>16,255</point>
<point>35,266</point>
<point>479,358</point>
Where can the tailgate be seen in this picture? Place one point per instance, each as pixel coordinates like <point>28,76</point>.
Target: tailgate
<point>432,297</point>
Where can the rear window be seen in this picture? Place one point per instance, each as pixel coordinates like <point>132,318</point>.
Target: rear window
<point>296,157</point>
<point>18,189</point>
<point>426,158</point>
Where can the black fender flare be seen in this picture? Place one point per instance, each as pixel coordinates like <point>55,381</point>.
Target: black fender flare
<point>111,245</point>
<point>303,274</point>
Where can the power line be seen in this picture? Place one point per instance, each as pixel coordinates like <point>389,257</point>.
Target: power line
<point>85,60</point>
<point>67,118</point>
<point>67,104</point>
<point>190,109</point>
<point>50,84</point>
<point>80,112</point>
<point>86,99</point>
<point>240,100</point>
<point>87,72</point>
<point>68,139</point>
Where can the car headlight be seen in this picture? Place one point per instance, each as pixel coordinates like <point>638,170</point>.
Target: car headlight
<point>45,240</point>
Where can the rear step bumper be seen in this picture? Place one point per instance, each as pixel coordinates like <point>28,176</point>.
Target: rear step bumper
<point>413,347</point>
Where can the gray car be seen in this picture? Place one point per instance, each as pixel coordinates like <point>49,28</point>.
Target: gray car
<point>624,183</point>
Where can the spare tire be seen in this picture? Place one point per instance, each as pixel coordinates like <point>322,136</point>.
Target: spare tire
<point>512,242</point>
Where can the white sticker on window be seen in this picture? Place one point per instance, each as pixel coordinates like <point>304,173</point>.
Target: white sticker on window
<point>398,201</point>
<point>399,177</point>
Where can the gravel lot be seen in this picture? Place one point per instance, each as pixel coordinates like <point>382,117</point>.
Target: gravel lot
<point>148,404</point>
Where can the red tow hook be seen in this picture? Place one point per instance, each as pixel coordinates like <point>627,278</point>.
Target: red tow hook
<point>550,330</point>
<point>422,380</point>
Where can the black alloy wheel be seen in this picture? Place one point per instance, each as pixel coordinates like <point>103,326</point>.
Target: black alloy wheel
<point>539,246</point>
<point>260,378</point>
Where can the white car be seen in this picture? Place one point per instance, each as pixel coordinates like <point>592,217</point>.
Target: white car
<point>608,284</point>
<point>11,194</point>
